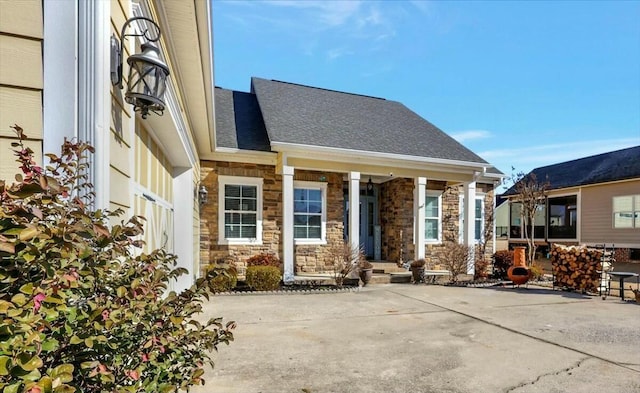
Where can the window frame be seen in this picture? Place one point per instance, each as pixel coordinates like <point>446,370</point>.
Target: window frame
<point>635,214</point>
<point>311,185</point>
<point>479,197</point>
<point>577,195</point>
<point>437,194</point>
<point>239,181</point>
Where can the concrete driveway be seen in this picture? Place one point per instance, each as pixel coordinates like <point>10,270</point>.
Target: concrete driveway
<point>406,338</point>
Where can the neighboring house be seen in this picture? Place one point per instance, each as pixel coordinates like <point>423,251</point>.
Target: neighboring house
<point>299,168</point>
<point>592,200</point>
<point>56,60</point>
<point>502,223</point>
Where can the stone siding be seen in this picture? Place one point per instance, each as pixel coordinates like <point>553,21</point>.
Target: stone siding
<point>396,219</point>
<point>308,258</point>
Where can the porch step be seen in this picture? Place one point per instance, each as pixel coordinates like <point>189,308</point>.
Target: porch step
<point>387,267</point>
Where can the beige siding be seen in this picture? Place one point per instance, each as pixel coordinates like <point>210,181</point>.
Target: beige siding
<point>21,78</point>
<point>22,17</point>
<point>20,62</point>
<point>597,214</point>
<point>22,107</point>
<point>119,186</point>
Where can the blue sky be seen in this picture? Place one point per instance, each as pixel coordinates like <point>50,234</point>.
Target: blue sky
<point>522,84</point>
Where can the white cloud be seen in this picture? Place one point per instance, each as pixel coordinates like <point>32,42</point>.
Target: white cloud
<point>463,136</point>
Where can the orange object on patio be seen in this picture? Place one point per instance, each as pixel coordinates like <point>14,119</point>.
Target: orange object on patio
<point>519,272</point>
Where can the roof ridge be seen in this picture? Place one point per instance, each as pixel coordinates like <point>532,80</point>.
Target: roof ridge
<point>331,90</point>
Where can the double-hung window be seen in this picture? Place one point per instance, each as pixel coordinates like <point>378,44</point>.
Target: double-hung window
<point>309,212</point>
<point>433,217</point>
<point>240,210</point>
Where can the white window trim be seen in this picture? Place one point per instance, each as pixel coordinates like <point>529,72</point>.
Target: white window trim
<point>480,197</point>
<point>239,181</point>
<point>323,231</point>
<point>438,194</point>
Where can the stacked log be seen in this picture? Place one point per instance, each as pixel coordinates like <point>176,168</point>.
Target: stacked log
<point>576,267</point>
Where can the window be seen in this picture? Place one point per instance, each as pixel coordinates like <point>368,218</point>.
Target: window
<point>433,217</point>
<point>240,210</point>
<point>626,211</point>
<point>309,212</point>
<point>515,227</point>
<point>563,217</point>
<point>479,217</point>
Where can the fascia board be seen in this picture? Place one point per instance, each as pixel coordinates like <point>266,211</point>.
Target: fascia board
<point>349,155</point>
<point>241,156</point>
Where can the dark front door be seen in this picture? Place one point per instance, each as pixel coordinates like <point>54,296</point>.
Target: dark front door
<point>368,220</point>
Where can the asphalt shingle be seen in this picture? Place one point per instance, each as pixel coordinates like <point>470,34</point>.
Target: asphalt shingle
<point>239,123</point>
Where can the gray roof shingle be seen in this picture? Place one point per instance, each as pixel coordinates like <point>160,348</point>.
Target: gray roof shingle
<point>304,115</point>
<point>239,123</point>
<point>602,168</point>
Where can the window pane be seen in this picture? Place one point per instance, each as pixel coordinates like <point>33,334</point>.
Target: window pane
<point>299,232</point>
<point>232,218</point>
<point>315,195</point>
<point>637,219</point>
<point>231,204</point>
<point>562,219</point>
<point>300,219</point>
<point>478,208</point>
<point>515,220</point>
<point>315,220</point>
<point>636,202</point>
<point>231,231</point>
<point>623,220</point>
<point>623,203</point>
<point>315,207</point>
<point>248,218</point>
<point>431,229</point>
<point>299,194</point>
<point>299,207</point>
<point>248,231</point>
<point>249,191</point>
<point>231,191</point>
<point>478,229</point>
<point>431,207</point>
<point>249,205</point>
<point>315,233</point>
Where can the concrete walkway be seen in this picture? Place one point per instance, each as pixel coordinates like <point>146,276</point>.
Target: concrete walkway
<point>419,338</point>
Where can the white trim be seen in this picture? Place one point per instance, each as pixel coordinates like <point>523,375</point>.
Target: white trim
<point>469,223</point>
<point>419,209</point>
<point>242,156</point>
<point>374,156</point>
<point>479,197</point>
<point>437,194</point>
<point>241,181</point>
<point>354,209</point>
<point>310,185</point>
<point>287,222</point>
<point>183,247</point>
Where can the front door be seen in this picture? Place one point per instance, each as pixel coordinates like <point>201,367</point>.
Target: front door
<point>368,220</point>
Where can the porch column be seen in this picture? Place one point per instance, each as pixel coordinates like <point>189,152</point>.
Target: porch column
<point>470,222</point>
<point>287,223</point>
<point>354,209</point>
<point>420,197</point>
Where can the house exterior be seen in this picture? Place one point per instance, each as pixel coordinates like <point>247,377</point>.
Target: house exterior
<point>56,61</point>
<point>592,200</point>
<point>299,168</point>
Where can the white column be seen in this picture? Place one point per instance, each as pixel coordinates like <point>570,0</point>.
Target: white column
<point>420,197</point>
<point>60,53</point>
<point>469,231</point>
<point>354,209</point>
<point>287,223</point>
<point>183,242</point>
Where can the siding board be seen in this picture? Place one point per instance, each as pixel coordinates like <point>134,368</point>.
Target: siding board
<point>21,107</point>
<point>22,17</point>
<point>20,62</point>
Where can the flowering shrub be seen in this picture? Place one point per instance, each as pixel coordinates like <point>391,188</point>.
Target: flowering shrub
<point>79,311</point>
<point>264,259</point>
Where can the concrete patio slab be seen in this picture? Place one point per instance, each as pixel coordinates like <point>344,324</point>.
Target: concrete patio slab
<point>418,338</point>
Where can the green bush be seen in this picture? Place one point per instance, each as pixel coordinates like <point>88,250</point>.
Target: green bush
<point>264,259</point>
<point>263,278</point>
<point>502,261</point>
<point>79,310</point>
<point>225,281</point>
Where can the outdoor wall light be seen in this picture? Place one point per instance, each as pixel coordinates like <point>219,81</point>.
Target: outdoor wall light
<point>147,72</point>
<point>203,195</point>
<point>370,187</point>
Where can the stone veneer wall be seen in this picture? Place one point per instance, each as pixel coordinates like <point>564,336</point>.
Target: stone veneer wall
<point>396,216</point>
<point>311,258</point>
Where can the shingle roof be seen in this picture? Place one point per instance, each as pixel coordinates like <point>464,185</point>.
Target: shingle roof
<point>239,123</point>
<point>306,115</point>
<point>616,165</point>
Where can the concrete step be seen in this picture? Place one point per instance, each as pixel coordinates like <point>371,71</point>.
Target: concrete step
<point>387,267</point>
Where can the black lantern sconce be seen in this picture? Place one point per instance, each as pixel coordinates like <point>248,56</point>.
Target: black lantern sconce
<point>369,187</point>
<point>147,72</point>
<point>203,195</point>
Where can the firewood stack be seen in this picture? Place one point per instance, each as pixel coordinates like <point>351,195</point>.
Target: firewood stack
<point>576,267</point>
